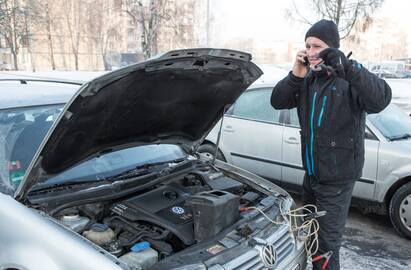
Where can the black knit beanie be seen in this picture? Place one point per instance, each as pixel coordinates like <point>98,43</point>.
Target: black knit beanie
<point>325,30</point>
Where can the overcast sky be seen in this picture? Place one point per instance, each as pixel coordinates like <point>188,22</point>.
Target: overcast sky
<point>265,19</point>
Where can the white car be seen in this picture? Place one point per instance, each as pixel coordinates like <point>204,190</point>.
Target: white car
<point>265,141</point>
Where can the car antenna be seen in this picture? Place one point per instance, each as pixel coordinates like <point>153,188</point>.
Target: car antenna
<point>226,107</point>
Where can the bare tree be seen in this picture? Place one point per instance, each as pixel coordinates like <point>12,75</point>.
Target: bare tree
<point>27,37</point>
<point>149,15</point>
<point>12,26</point>
<point>41,15</point>
<point>103,27</point>
<point>48,23</point>
<point>345,13</point>
<point>179,30</point>
<point>74,15</point>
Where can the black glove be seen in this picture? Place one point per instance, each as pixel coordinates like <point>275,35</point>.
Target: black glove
<point>336,59</point>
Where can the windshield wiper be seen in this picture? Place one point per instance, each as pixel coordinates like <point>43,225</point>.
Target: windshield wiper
<point>400,137</point>
<point>69,184</point>
<point>147,169</point>
<point>138,171</point>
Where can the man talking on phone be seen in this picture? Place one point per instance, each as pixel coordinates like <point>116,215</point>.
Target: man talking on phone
<point>332,95</point>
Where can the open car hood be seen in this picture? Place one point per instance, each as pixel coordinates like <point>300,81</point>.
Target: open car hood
<point>176,98</point>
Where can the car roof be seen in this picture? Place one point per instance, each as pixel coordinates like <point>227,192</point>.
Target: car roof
<point>14,94</point>
<point>272,75</point>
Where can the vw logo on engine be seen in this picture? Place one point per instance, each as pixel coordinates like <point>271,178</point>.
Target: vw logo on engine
<point>268,255</point>
<point>178,210</point>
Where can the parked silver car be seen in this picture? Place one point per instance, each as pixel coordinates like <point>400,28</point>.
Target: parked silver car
<point>265,141</point>
<point>112,180</point>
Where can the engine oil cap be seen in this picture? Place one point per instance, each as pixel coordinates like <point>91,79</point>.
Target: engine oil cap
<point>140,246</point>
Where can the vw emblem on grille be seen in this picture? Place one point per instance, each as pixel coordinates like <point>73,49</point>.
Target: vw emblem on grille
<point>178,210</point>
<point>268,255</point>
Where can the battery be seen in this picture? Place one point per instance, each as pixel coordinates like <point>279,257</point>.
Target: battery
<point>213,211</point>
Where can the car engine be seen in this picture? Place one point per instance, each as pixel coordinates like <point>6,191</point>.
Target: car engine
<point>164,219</point>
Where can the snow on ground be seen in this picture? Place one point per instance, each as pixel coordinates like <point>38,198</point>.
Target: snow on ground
<point>370,242</point>
<point>350,260</point>
<point>369,262</point>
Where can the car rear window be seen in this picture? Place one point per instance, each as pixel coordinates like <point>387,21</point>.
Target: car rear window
<point>255,105</point>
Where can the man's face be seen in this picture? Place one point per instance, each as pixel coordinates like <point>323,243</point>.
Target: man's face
<point>313,47</point>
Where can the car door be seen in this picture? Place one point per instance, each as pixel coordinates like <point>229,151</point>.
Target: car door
<point>252,133</point>
<point>365,186</point>
<point>293,173</point>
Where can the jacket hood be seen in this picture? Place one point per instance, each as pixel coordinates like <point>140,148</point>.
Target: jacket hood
<point>175,98</point>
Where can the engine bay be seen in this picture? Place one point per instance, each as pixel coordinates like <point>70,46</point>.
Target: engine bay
<point>163,219</point>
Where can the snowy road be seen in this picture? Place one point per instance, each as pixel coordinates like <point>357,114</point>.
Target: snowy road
<point>370,242</point>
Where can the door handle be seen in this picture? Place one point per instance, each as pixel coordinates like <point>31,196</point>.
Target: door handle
<point>292,140</point>
<point>228,128</point>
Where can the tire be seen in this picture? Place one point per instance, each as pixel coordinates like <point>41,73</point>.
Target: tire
<point>400,210</point>
<point>210,149</point>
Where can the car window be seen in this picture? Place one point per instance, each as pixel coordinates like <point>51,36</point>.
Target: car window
<point>294,118</point>
<point>21,132</point>
<point>255,105</point>
<point>392,122</point>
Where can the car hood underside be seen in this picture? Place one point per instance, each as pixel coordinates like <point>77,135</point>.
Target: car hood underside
<point>175,98</point>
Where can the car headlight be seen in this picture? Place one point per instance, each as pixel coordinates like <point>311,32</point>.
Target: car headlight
<point>196,266</point>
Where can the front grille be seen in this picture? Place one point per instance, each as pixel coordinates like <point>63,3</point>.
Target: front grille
<point>283,242</point>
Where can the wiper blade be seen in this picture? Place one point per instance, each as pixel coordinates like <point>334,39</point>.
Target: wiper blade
<point>130,173</point>
<point>400,137</point>
<point>145,169</point>
<point>142,170</point>
<point>45,186</point>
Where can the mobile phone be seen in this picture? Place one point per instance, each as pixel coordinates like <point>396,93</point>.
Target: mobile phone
<point>306,63</point>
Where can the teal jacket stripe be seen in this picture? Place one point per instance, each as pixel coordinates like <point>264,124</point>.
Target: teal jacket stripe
<point>322,111</point>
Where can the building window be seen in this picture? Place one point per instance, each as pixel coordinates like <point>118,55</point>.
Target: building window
<point>25,40</point>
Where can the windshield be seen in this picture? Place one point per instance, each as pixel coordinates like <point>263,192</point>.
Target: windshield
<point>113,163</point>
<point>21,133</point>
<point>392,122</point>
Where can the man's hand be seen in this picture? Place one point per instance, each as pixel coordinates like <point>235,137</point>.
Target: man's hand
<point>300,69</point>
<point>336,59</point>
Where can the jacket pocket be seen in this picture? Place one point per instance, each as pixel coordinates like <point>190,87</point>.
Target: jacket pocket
<point>335,158</point>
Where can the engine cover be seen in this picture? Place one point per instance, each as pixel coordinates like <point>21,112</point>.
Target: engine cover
<point>165,207</point>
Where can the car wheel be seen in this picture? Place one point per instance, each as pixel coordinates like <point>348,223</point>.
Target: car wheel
<point>400,210</point>
<point>210,149</point>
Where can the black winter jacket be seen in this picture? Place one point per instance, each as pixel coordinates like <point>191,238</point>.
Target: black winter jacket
<point>331,112</point>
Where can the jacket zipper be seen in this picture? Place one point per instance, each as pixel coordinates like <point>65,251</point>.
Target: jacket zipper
<point>322,111</point>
